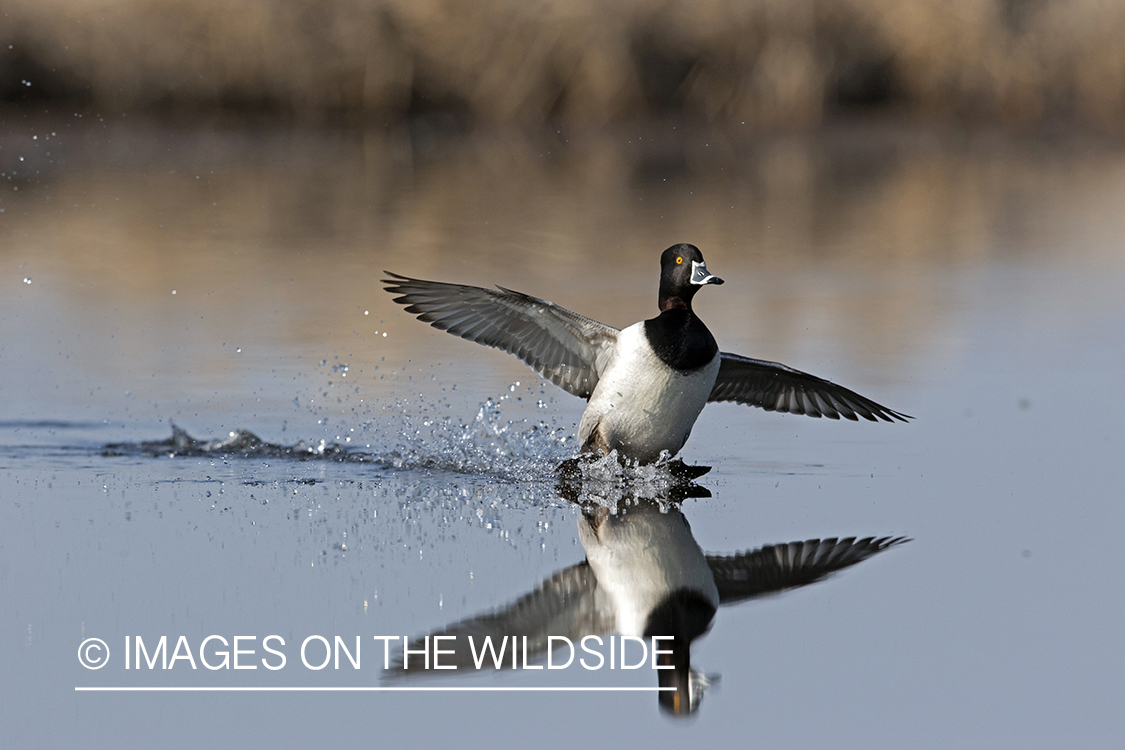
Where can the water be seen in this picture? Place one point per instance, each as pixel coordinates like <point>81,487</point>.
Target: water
<point>405,478</point>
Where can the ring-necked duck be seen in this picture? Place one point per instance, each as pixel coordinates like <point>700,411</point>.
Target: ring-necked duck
<point>646,384</point>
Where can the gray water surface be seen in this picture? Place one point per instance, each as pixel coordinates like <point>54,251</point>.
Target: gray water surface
<point>227,280</point>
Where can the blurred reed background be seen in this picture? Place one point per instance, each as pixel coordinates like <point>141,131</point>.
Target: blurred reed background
<point>765,63</point>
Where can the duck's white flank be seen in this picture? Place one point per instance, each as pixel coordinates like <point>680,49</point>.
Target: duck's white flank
<point>641,406</point>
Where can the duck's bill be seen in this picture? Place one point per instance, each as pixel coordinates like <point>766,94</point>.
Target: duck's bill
<point>700,275</point>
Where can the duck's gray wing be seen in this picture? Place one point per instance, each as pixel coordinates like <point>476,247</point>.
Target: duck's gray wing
<point>774,387</point>
<point>778,567</point>
<point>566,604</point>
<point>564,347</point>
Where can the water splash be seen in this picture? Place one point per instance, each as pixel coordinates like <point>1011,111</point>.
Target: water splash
<point>237,443</point>
<point>426,437</point>
<point>528,451</point>
<point>611,482</point>
<point>489,443</point>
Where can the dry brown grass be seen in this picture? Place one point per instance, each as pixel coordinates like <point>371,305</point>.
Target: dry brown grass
<point>764,62</point>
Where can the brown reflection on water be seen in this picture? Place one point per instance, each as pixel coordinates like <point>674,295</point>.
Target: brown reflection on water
<point>280,237</point>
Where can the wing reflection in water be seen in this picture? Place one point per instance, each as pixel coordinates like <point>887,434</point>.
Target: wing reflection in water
<point>644,575</point>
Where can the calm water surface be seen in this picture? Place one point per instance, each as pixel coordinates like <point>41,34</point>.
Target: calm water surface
<point>224,280</point>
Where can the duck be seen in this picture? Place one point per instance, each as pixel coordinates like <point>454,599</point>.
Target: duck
<point>645,384</point>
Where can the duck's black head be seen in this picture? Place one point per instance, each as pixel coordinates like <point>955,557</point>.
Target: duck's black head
<point>682,273</point>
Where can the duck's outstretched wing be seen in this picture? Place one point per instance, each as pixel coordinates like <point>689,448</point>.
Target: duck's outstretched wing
<point>774,387</point>
<point>566,604</point>
<point>564,347</point>
<point>778,567</point>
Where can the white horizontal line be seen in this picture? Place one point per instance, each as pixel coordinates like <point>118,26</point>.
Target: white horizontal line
<point>133,689</point>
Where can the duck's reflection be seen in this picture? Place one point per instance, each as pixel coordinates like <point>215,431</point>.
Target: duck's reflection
<point>644,575</point>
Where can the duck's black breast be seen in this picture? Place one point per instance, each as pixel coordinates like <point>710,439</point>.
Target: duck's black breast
<point>680,340</point>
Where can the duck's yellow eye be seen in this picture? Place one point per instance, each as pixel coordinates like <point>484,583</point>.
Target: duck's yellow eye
<point>679,260</point>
